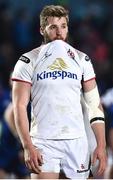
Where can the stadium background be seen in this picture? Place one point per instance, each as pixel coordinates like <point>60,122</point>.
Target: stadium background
<point>90,27</point>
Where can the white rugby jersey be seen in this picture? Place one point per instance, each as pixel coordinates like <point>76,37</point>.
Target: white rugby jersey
<point>55,71</point>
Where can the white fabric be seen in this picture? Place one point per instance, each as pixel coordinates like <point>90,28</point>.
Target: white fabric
<point>90,134</point>
<point>60,155</point>
<point>56,88</point>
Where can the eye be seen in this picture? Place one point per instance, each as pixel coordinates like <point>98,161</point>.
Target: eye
<point>52,27</point>
<point>64,26</point>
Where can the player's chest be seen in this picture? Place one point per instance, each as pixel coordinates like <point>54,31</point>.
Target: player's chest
<point>58,68</point>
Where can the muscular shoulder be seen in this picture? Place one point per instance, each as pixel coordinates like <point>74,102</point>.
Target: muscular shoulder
<point>31,55</point>
<point>82,55</point>
<point>79,55</point>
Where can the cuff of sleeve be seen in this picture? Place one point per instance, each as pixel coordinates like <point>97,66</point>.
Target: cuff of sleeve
<point>98,121</point>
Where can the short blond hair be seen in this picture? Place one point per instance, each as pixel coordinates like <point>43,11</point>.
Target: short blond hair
<point>52,11</point>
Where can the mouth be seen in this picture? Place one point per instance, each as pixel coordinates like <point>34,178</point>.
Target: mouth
<point>59,38</point>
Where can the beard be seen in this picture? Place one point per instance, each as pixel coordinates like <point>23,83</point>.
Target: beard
<point>58,37</point>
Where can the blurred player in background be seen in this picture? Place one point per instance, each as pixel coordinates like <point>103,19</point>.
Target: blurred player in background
<point>107,101</point>
<point>11,153</point>
<point>53,77</point>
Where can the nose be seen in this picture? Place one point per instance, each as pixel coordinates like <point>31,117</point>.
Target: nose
<point>58,31</point>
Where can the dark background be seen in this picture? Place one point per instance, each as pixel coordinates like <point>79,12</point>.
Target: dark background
<point>90,27</point>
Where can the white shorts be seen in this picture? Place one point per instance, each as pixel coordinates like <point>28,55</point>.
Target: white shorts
<point>70,156</point>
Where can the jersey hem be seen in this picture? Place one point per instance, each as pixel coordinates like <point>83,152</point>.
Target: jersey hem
<point>13,79</point>
<point>89,79</point>
<point>57,138</point>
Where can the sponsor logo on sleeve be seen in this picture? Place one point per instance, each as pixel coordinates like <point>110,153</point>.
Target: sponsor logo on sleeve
<point>24,59</point>
<point>87,58</point>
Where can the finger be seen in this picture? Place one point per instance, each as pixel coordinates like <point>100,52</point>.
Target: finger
<point>99,171</point>
<point>37,163</point>
<point>102,166</point>
<point>28,165</point>
<point>94,159</point>
<point>35,167</point>
<point>40,160</point>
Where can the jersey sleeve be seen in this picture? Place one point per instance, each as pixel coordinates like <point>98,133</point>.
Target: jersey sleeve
<point>23,70</point>
<point>88,69</point>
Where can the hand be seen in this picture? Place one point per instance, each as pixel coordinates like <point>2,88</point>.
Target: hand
<point>33,159</point>
<point>100,155</point>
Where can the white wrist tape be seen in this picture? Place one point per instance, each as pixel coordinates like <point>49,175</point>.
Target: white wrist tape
<point>92,100</point>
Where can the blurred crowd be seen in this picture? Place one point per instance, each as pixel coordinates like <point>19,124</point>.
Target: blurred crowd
<point>90,27</point>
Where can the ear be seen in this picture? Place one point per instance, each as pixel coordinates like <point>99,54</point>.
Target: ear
<point>41,31</point>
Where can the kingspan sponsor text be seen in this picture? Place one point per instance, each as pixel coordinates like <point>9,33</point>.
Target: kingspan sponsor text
<point>55,75</point>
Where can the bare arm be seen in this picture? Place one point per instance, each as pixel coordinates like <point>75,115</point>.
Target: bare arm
<point>21,96</point>
<point>9,118</point>
<point>98,129</point>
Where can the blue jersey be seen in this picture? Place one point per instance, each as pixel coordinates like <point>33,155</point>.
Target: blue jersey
<point>10,148</point>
